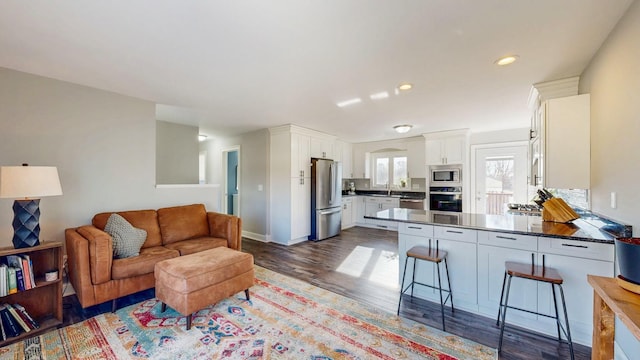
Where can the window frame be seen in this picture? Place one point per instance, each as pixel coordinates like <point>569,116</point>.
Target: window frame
<point>390,155</point>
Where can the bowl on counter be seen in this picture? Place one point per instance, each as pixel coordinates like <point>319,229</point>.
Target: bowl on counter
<point>628,255</point>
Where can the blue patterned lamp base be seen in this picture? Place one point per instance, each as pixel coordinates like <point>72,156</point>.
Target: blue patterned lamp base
<point>26,223</point>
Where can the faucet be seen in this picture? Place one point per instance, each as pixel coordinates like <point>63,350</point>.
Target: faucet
<point>388,189</point>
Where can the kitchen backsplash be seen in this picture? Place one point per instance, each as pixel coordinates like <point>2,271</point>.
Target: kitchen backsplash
<point>415,184</point>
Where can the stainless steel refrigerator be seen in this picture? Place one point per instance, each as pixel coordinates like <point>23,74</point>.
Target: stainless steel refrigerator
<point>326,198</point>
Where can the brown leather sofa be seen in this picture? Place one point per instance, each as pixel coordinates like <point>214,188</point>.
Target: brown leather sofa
<point>171,232</point>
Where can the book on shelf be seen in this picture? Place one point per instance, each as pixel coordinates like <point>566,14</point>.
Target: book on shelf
<point>17,318</point>
<point>10,327</point>
<point>26,258</point>
<point>20,279</point>
<point>26,271</point>
<point>12,286</point>
<point>3,335</point>
<point>25,315</point>
<point>3,280</point>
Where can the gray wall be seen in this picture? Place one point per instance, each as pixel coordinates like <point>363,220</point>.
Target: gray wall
<point>613,82</point>
<point>253,173</point>
<point>102,143</point>
<point>177,151</point>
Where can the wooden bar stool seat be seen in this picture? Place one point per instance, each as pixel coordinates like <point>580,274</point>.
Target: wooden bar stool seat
<point>435,256</point>
<point>536,273</point>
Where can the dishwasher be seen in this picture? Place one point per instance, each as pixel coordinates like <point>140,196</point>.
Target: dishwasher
<point>412,204</point>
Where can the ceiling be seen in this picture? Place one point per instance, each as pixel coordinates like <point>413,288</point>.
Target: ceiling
<point>236,66</point>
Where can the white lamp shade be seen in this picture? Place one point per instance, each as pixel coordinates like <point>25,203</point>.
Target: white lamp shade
<point>29,182</point>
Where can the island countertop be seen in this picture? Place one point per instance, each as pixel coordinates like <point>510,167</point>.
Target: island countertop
<point>589,227</point>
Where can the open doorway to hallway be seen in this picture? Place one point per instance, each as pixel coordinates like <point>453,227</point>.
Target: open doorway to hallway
<point>231,176</point>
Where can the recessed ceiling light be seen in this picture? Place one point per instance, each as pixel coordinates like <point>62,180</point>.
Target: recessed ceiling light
<point>380,95</point>
<point>202,137</point>
<point>405,86</point>
<point>401,129</point>
<point>348,102</point>
<point>506,60</point>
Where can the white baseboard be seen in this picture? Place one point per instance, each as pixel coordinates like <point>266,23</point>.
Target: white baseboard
<point>254,236</point>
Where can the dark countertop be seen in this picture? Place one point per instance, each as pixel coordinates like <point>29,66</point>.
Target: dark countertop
<point>589,227</point>
<point>397,194</point>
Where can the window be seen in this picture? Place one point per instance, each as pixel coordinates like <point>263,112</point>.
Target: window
<point>390,168</point>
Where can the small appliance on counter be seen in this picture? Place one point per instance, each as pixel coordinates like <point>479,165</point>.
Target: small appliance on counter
<point>352,188</point>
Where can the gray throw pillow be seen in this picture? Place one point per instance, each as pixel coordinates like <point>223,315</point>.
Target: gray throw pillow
<point>127,240</point>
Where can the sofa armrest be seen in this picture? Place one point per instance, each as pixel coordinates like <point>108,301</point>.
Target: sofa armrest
<point>100,255</point>
<point>227,227</point>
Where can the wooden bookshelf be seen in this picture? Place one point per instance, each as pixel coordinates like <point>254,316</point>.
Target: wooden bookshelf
<point>44,302</point>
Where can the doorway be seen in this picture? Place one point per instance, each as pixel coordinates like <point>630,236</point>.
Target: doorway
<point>231,176</point>
<point>500,177</point>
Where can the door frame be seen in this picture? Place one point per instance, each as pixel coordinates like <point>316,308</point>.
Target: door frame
<point>224,200</point>
<point>472,163</point>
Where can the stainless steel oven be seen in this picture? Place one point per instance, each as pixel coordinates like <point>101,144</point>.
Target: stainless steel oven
<point>445,198</point>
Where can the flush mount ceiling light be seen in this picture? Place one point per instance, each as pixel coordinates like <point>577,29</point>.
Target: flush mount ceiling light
<point>405,86</point>
<point>348,102</point>
<point>202,137</point>
<point>401,129</point>
<point>380,95</point>
<point>506,60</point>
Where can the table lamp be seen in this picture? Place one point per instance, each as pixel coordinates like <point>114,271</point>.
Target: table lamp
<point>27,184</point>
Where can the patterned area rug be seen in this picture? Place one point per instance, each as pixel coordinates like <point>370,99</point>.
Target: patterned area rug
<point>285,319</point>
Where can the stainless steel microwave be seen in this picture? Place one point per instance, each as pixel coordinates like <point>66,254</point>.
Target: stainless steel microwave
<point>445,175</point>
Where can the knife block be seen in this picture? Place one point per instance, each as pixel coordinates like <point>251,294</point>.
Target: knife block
<point>557,210</point>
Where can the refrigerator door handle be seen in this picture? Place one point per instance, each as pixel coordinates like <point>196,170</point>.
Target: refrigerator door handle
<point>329,212</point>
<point>333,183</point>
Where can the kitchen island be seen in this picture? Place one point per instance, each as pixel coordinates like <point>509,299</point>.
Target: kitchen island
<point>478,246</point>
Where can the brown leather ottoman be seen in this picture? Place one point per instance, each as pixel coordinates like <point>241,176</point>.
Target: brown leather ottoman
<point>192,282</point>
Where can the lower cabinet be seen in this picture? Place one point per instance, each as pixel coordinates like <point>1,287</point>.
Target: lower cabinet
<point>476,262</point>
<point>373,204</point>
<point>348,213</point>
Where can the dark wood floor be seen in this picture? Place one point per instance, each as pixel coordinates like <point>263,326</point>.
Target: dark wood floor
<point>323,264</point>
<point>361,264</point>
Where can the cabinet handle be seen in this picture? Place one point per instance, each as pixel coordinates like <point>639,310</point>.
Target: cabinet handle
<point>414,227</point>
<point>301,173</point>
<point>345,206</point>
<point>382,226</point>
<point>302,181</point>
<point>577,246</point>
<point>505,237</point>
<point>454,232</point>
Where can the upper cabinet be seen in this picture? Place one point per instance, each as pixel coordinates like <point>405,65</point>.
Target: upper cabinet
<point>415,157</point>
<point>559,145</point>
<point>567,142</point>
<point>322,146</point>
<point>343,152</point>
<point>360,166</point>
<point>446,147</point>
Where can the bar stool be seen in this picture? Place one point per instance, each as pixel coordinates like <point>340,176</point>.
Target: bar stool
<point>536,273</point>
<point>435,256</point>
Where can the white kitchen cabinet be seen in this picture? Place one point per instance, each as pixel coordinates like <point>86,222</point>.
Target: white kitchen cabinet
<point>566,125</point>
<point>574,260</point>
<point>359,206</point>
<point>300,157</point>
<point>373,204</point>
<point>348,213</point>
<point>446,148</point>
<point>289,179</point>
<point>416,166</point>
<point>322,147</point>
<point>410,235</point>
<point>361,162</point>
<point>461,247</point>
<point>344,154</point>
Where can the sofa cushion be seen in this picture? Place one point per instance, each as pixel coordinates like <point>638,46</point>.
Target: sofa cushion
<point>141,264</point>
<point>183,222</point>
<point>191,246</point>
<point>142,219</point>
<point>127,239</point>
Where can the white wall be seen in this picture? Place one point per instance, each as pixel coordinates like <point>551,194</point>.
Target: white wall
<point>102,143</point>
<point>614,84</point>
